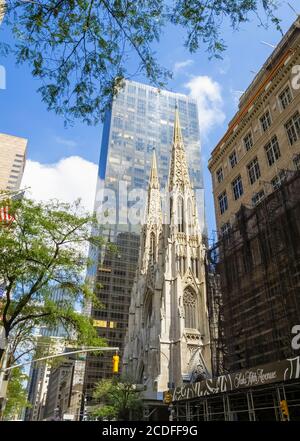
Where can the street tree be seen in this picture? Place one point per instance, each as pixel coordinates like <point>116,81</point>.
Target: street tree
<point>118,399</point>
<point>16,395</point>
<point>43,260</point>
<point>82,49</point>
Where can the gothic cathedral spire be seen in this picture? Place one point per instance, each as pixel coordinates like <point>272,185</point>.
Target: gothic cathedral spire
<point>153,182</point>
<point>152,225</point>
<point>153,215</point>
<point>178,174</point>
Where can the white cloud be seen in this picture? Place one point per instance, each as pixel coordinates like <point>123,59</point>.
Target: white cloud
<point>65,142</point>
<point>224,65</point>
<point>67,180</point>
<point>207,93</point>
<point>179,65</point>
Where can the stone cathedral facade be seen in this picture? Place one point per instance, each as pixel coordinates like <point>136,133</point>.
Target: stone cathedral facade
<point>167,341</point>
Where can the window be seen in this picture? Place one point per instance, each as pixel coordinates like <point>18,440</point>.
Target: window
<point>195,266</point>
<point>190,217</point>
<point>141,107</point>
<point>131,89</point>
<point>225,229</point>
<point>118,122</point>
<point>152,248</point>
<point>148,308</point>
<point>248,142</point>
<point>131,101</point>
<point>19,156</point>
<point>278,180</point>
<point>253,170</point>
<point>237,187</point>
<point>285,97</point>
<point>141,91</point>
<point>20,161</point>
<point>233,159</point>
<point>265,121</point>
<point>272,150</point>
<point>219,175</point>
<point>293,128</point>
<point>189,304</point>
<point>258,197</point>
<point>180,214</point>
<point>181,264</point>
<point>223,202</point>
<point>296,161</point>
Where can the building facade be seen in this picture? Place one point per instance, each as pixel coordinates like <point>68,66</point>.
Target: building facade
<point>12,161</point>
<point>256,262</point>
<point>65,390</point>
<point>141,119</point>
<point>39,374</point>
<point>262,142</point>
<point>167,342</point>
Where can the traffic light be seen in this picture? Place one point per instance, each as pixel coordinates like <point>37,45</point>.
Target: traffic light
<point>116,360</point>
<point>168,397</point>
<point>284,409</point>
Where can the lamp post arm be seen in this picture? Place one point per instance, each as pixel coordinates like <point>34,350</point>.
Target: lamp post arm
<point>48,357</point>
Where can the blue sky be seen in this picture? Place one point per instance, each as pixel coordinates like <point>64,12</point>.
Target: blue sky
<point>216,85</point>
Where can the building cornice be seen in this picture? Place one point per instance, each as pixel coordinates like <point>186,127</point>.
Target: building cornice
<point>252,106</point>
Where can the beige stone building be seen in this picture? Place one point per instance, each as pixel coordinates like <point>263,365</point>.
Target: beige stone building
<point>262,143</point>
<point>12,161</point>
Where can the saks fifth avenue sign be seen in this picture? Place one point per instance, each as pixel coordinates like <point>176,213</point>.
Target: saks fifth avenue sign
<point>271,373</point>
<point>253,378</point>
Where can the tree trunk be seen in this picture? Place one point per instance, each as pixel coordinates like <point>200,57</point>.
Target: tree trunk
<point>3,375</point>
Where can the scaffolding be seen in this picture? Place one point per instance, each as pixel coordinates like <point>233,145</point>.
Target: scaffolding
<point>253,281</point>
<point>253,404</point>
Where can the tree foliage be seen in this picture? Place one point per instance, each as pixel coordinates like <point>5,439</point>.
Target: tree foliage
<point>16,395</point>
<point>42,265</point>
<point>81,49</point>
<point>118,399</point>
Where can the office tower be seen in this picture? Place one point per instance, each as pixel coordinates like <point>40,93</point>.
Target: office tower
<point>141,119</point>
<point>12,161</point>
<point>255,173</point>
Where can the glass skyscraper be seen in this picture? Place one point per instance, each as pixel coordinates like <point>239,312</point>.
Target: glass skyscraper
<point>141,119</point>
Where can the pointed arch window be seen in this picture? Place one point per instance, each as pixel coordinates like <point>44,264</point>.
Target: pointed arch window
<point>180,214</point>
<point>171,208</point>
<point>152,248</point>
<point>190,309</point>
<point>195,266</point>
<point>190,218</point>
<point>141,373</point>
<point>148,310</point>
<point>181,264</point>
